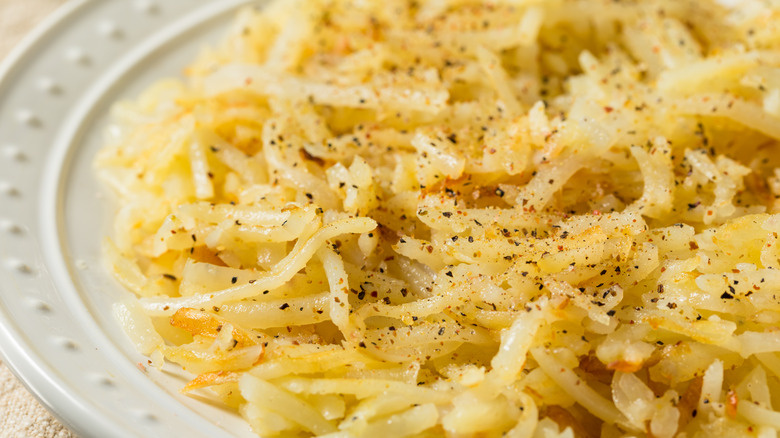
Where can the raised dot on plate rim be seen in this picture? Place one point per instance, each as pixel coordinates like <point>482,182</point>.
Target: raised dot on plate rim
<point>66,343</point>
<point>10,227</point>
<point>48,85</point>
<point>18,265</point>
<point>146,6</point>
<point>104,381</point>
<point>146,416</point>
<point>14,153</point>
<point>8,189</point>
<point>109,29</point>
<point>40,305</point>
<point>27,117</point>
<point>78,55</point>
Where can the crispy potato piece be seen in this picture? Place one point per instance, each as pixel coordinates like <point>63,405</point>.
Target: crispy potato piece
<point>206,324</point>
<point>198,358</point>
<point>688,402</point>
<point>209,379</point>
<point>565,419</point>
<point>593,366</point>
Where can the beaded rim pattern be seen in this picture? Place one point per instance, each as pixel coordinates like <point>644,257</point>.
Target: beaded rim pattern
<point>56,330</point>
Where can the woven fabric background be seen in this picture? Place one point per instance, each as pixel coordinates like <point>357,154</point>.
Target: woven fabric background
<point>21,416</point>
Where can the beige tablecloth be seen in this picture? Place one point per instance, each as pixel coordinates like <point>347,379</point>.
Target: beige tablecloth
<point>21,416</point>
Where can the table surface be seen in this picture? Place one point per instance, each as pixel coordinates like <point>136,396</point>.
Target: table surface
<point>21,416</point>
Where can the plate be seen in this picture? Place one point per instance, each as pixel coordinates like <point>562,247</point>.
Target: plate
<point>56,329</point>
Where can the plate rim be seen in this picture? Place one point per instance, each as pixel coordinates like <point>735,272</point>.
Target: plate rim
<point>13,352</point>
<point>26,359</point>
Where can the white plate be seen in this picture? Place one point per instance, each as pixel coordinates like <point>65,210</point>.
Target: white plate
<point>56,329</point>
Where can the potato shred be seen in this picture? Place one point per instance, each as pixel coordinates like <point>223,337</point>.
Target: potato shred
<point>452,217</point>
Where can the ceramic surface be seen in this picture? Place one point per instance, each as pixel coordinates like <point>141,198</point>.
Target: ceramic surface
<point>56,329</point>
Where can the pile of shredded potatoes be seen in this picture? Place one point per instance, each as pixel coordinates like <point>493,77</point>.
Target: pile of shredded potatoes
<point>453,217</point>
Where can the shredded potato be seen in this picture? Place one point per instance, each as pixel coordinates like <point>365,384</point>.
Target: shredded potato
<point>454,217</point>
